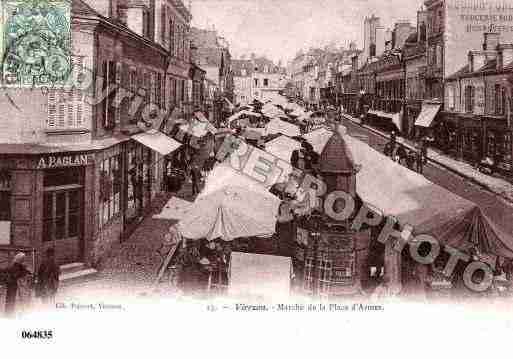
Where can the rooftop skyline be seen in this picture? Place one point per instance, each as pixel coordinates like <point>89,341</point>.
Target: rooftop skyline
<point>279,29</point>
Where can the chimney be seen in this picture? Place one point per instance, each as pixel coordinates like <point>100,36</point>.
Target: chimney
<point>477,60</point>
<point>380,41</point>
<point>491,41</point>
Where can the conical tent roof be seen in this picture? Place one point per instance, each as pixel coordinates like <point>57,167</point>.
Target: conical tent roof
<point>336,157</point>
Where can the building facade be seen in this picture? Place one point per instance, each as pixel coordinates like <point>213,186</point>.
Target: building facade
<point>82,170</point>
<point>212,54</point>
<point>478,106</point>
<point>415,66</point>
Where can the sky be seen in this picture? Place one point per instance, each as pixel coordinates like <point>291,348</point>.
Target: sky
<point>279,28</point>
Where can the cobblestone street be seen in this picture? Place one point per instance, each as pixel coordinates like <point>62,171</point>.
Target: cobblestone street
<point>131,266</point>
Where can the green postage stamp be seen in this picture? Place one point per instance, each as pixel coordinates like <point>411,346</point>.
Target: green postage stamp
<point>35,42</point>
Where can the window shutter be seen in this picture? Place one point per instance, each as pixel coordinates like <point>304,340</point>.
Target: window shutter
<point>163,24</point>
<point>113,80</point>
<point>171,37</point>
<point>70,97</point>
<point>79,113</point>
<point>105,80</point>
<point>79,98</point>
<point>163,102</point>
<point>159,88</point>
<point>61,109</point>
<point>52,110</point>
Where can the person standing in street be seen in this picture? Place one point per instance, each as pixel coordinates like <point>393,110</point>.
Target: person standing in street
<point>420,157</point>
<point>15,272</point>
<point>195,178</point>
<point>410,160</point>
<point>48,278</point>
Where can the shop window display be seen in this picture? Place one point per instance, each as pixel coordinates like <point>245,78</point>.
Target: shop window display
<point>5,195</point>
<point>110,189</point>
<point>62,204</point>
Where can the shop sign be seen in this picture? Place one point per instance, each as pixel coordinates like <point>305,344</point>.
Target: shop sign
<point>62,161</point>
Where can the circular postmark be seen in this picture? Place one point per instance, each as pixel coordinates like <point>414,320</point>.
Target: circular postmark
<point>37,43</point>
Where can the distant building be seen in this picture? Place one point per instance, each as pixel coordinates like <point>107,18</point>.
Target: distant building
<point>257,78</point>
<point>213,55</point>
<point>415,66</point>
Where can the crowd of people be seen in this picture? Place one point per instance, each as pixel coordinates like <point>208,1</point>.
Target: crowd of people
<point>412,159</point>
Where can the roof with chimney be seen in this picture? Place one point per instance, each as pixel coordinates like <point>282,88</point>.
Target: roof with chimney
<point>336,157</point>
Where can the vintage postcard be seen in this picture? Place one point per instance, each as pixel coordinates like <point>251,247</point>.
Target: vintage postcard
<point>190,173</point>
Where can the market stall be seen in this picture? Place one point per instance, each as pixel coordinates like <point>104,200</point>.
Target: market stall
<point>279,126</point>
<point>282,147</point>
<point>229,213</point>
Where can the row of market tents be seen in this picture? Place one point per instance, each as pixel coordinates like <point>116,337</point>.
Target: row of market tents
<point>233,205</point>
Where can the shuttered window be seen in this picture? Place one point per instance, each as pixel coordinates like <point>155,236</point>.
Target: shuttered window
<point>52,109</point>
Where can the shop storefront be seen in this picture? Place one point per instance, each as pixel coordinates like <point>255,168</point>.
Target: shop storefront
<point>471,140</point>
<point>79,203</point>
<point>448,134</point>
<point>47,202</point>
<point>412,112</point>
<point>498,145</point>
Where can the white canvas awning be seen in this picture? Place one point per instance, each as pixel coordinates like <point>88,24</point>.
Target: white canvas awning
<point>230,105</point>
<point>282,147</point>
<point>200,116</point>
<point>427,115</point>
<point>157,141</point>
<point>278,126</point>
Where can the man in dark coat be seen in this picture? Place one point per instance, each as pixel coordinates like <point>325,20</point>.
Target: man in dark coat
<point>195,178</point>
<point>48,277</point>
<point>421,156</point>
<point>15,272</point>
